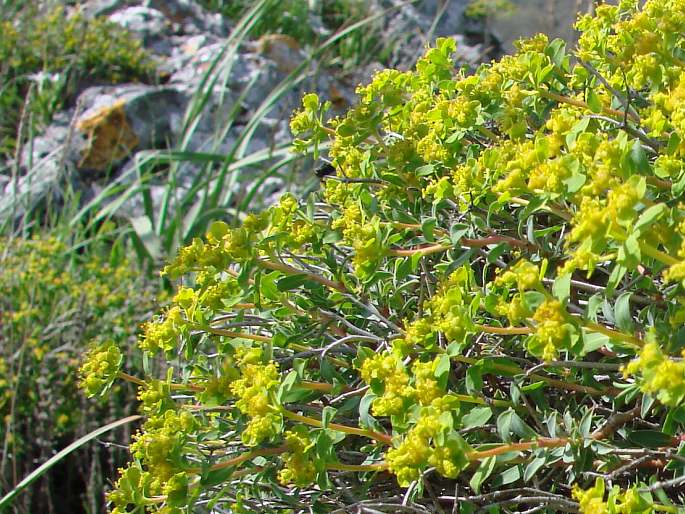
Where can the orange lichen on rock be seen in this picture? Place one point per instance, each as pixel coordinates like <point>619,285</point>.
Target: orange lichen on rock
<point>110,137</point>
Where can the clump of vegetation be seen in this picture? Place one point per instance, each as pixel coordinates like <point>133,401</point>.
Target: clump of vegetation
<point>54,300</point>
<point>293,18</point>
<point>47,57</point>
<point>482,309</point>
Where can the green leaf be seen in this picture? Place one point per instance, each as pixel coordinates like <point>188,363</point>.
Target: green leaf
<point>650,438</point>
<point>593,101</point>
<point>629,254</point>
<point>482,473</point>
<point>453,349</point>
<point>427,227</point>
<point>290,282</point>
<point>638,158</point>
<point>365,418</point>
<point>474,379</point>
<point>457,231</point>
<point>442,370</point>
<point>593,341</point>
<point>561,288</point>
<point>577,129</point>
<point>477,417</point>
<point>574,182</point>
<point>509,476</point>
<point>287,384</point>
<point>216,476</point>
<point>423,171</point>
<point>332,237</point>
<point>678,187</point>
<point>649,216</point>
<point>504,425</point>
<point>622,315</point>
<point>593,305</point>
<point>8,499</point>
<point>533,467</point>
<point>327,415</point>
<point>617,273</point>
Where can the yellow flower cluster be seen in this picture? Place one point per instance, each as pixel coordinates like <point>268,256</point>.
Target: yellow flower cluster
<point>447,312</point>
<point>386,372</point>
<point>554,331</point>
<point>160,447</point>
<point>298,467</point>
<point>100,368</point>
<point>524,274</point>
<point>164,333</point>
<point>363,236</point>
<point>429,443</point>
<point>658,374</point>
<point>619,501</point>
<point>254,392</point>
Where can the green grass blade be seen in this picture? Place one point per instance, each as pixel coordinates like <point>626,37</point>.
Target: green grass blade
<point>45,467</point>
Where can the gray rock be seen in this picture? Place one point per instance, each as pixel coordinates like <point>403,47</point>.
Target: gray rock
<point>552,17</point>
<point>447,16</point>
<point>118,120</point>
<point>190,17</point>
<point>49,177</point>
<point>149,25</point>
<point>410,28</point>
<point>94,8</point>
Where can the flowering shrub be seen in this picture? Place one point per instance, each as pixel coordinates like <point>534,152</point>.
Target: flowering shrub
<point>53,301</point>
<point>482,308</point>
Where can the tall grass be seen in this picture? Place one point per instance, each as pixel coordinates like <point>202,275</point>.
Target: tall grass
<point>184,212</point>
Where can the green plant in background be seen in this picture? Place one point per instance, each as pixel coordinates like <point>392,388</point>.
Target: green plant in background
<point>486,8</point>
<point>54,300</point>
<point>294,18</point>
<point>485,11</point>
<point>49,56</point>
<point>483,308</point>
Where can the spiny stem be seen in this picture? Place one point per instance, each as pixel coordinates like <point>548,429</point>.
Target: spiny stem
<point>464,241</point>
<point>579,103</point>
<point>482,401</point>
<point>383,438</point>
<point>424,250</point>
<point>289,270</point>
<point>334,360</point>
<point>613,334</point>
<point>559,384</point>
<point>505,330</point>
<point>140,382</point>
<point>243,305</point>
<point>229,333</point>
<point>130,378</point>
<point>541,442</point>
<point>357,467</point>
<point>658,255</point>
<point>243,457</point>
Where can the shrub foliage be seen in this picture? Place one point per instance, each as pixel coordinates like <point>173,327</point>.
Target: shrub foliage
<point>53,301</point>
<point>482,308</point>
<point>54,54</point>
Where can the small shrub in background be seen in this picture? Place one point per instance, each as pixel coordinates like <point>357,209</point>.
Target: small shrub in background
<point>295,18</point>
<point>54,301</point>
<point>482,309</point>
<point>54,54</point>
